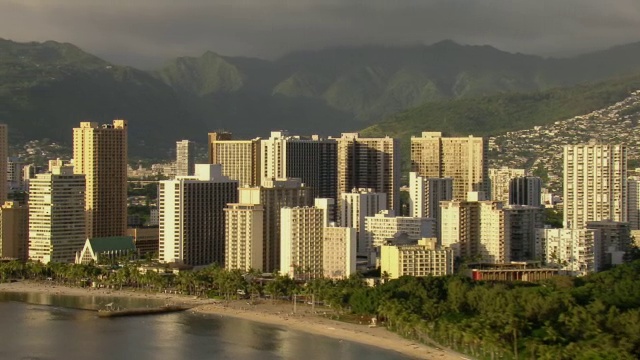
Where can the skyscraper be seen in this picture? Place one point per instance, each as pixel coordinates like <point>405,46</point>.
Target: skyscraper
<point>100,153</point>
<point>521,222</point>
<point>595,184</point>
<point>185,158</point>
<point>464,159</point>
<point>338,252</point>
<point>56,214</point>
<point>4,152</point>
<point>192,216</point>
<point>240,159</point>
<point>273,195</point>
<point>425,195</point>
<point>633,202</point>
<point>370,163</point>
<point>310,159</point>
<point>302,241</point>
<point>243,237</point>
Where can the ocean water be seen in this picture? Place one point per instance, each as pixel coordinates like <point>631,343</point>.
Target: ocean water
<point>41,326</point>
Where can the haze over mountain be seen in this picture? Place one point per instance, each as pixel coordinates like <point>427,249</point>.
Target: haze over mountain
<point>47,88</point>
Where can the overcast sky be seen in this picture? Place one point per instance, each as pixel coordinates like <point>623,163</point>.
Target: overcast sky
<point>146,33</point>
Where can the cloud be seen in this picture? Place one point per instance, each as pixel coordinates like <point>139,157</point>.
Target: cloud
<point>147,32</point>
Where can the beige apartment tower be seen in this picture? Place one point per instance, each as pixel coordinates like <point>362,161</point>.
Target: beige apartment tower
<point>595,184</point>
<point>464,159</point>
<point>4,153</point>
<point>14,231</point>
<point>240,159</point>
<point>100,153</point>
<point>56,214</point>
<point>302,241</point>
<point>338,252</point>
<point>355,206</point>
<point>500,180</point>
<point>369,163</point>
<point>243,237</point>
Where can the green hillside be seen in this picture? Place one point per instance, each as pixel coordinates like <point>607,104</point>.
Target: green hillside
<point>491,115</point>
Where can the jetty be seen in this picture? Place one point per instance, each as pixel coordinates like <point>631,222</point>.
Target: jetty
<point>107,313</point>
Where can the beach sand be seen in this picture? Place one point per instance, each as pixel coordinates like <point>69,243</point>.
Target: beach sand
<point>264,311</point>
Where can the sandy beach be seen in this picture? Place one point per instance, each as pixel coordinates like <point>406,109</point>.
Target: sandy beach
<point>278,314</point>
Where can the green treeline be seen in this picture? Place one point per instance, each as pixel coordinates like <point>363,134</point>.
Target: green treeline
<point>593,317</point>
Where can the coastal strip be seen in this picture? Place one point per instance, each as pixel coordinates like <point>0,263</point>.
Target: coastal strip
<point>278,314</point>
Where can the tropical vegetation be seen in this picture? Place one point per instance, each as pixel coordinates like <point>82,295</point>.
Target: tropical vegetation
<point>592,317</point>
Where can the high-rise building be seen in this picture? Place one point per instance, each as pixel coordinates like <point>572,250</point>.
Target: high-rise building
<point>14,231</point>
<point>355,206</point>
<point>525,190</point>
<point>310,159</point>
<point>243,237</point>
<point>571,250</point>
<point>595,184</point>
<point>240,159</point>
<point>521,222</point>
<point>57,227</point>
<point>338,252</point>
<point>475,229</point>
<point>302,235</point>
<point>385,225</point>
<point>615,242</point>
<point>464,159</point>
<point>500,179</point>
<point>633,202</point>
<point>28,173</point>
<point>422,259</point>
<point>192,217</point>
<point>185,158</point>
<point>100,153</point>
<point>370,163</point>
<point>274,195</point>
<point>4,152</point>
<point>425,195</point>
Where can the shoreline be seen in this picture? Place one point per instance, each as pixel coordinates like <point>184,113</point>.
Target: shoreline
<point>278,314</point>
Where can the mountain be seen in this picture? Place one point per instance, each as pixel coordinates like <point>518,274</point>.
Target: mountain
<point>48,88</point>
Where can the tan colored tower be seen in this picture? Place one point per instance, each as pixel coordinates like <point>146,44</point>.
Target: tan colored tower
<point>240,159</point>
<point>100,153</point>
<point>14,240</point>
<point>464,159</point>
<point>369,163</point>
<point>4,152</point>
<point>243,237</point>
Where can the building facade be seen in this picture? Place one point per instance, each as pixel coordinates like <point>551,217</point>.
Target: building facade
<point>192,217</point>
<point>369,163</point>
<point>595,184</point>
<point>57,227</point>
<point>185,158</point>
<point>4,153</point>
<point>521,222</point>
<point>500,180</point>
<point>338,252</point>
<point>273,196</point>
<point>571,250</point>
<point>100,153</point>
<point>301,251</point>
<point>244,237</point>
<point>355,206</point>
<point>240,159</point>
<point>615,242</point>
<point>14,231</point>
<point>464,159</point>
<point>525,190</point>
<point>475,229</point>
<point>422,259</point>
<point>425,195</point>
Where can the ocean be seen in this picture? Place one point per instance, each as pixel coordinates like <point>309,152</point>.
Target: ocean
<point>45,326</point>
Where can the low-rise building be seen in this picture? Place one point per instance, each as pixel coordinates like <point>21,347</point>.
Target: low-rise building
<point>422,259</point>
<point>106,249</point>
